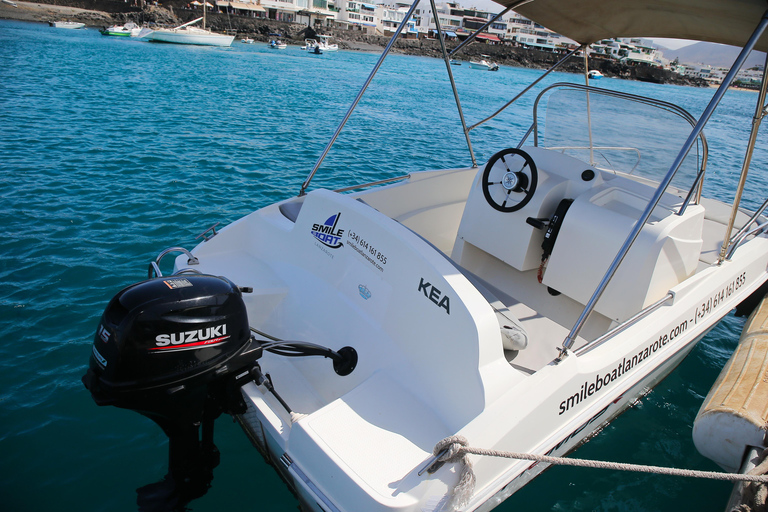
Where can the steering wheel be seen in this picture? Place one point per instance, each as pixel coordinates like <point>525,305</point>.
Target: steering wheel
<point>509,173</point>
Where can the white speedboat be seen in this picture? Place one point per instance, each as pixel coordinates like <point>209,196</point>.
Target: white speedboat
<point>594,74</point>
<point>276,42</point>
<point>325,45</point>
<point>247,40</point>
<point>517,305</point>
<point>127,30</point>
<point>318,47</point>
<point>66,24</point>
<point>485,63</point>
<point>187,34</point>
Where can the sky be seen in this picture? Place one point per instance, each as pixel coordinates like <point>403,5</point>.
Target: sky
<point>673,44</point>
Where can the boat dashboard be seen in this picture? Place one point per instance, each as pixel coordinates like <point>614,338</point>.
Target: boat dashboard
<point>569,223</point>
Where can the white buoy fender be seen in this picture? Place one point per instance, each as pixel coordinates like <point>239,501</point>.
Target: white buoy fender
<point>735,413</point>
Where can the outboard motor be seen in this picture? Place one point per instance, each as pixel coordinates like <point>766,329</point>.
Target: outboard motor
<point>177,350</point>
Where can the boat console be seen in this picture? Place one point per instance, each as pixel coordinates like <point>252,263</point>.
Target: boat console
<point>584,214</point>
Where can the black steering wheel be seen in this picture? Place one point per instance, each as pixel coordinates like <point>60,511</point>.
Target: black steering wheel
<point>509,173</point>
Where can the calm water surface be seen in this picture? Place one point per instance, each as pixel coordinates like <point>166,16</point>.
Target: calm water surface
<point>112,150</point>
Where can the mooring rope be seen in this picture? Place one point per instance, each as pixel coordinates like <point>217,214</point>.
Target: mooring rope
<point>456,449</point>
<point>451,449</point>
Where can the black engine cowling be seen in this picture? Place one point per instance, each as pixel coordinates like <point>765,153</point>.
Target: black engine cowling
<point>167,330</point>
<point>177,350</point>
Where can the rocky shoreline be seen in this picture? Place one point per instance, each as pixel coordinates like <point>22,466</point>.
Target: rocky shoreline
<point>101,13</point>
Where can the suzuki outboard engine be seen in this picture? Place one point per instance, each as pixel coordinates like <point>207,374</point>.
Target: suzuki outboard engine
<point>177,350</point>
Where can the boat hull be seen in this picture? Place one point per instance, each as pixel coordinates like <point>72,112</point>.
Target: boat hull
<point>265,434</point>
<point>483,65</point>
<point>121,31</point>
<point>199,39</point>
<point>575,397</point>
<point>67,24</point>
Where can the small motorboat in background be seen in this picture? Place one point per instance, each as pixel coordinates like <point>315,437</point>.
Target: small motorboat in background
<point>66,24</point>
<point>130,29</point>
<point>485,63</point>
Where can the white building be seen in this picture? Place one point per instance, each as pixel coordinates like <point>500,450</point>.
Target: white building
<point>537,40</point>
<point>450,23</point>
<point>455,20</point>
<point>526,33</point>
<point>357,14</point>
<point>510,28</point>
<point>752,76</point>
<point>252,8</point>
<point>307,12</point>
<point>714,75</point>
<point>628,51</point>
<point>392,15</point>
<point>459,21</point>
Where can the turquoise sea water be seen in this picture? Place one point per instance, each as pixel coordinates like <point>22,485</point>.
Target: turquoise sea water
<point>112,150</point>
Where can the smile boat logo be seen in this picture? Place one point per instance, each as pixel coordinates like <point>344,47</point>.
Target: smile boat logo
<point>327,233</point>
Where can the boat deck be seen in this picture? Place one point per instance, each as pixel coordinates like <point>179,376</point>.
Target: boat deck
<point>548,321</point>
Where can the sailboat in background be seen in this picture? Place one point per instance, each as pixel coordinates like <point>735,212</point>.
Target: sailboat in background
<point>187,34</point>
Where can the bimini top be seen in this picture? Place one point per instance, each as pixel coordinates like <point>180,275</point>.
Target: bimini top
<point>587,21</point>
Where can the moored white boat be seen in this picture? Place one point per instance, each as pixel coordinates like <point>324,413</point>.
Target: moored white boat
<point>521,304</point>
<point>66,24</point>
<point>127,30</point>
<point>315,46</point>
<point>485,63</point>
<point>325,45</point>
<point>594,74</point>
<point>187,34</point>
<point>276,42</point>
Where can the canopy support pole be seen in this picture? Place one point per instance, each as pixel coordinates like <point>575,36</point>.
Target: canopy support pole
<point>589,109</point>
<point>571,338</point>
<point>759,114</point>
<point>530,86</point>
<point>359,96</point>
<point>447,60</point>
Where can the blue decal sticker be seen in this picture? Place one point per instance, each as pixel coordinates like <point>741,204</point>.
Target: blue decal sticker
<point>364,291</point>
<point>327,233</point>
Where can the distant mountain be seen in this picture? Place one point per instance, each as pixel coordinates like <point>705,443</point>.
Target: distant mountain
<point>718,55</point>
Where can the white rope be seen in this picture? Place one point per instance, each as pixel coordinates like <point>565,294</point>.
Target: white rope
<point>451,449</point>
<point>457,448</point>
